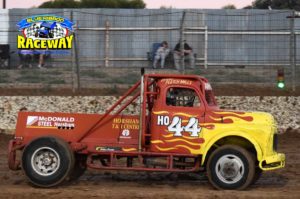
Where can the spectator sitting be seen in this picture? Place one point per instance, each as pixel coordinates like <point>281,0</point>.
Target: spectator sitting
<point>187,52</point>
<point>41,57</point>
<point>26,58</point>
<point>161,54</point>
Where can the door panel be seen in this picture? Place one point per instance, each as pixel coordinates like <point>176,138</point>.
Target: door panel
<point>176,121</point>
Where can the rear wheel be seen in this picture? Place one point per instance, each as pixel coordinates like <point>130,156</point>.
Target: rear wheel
<point>47,161</point>
<point>231,167</point>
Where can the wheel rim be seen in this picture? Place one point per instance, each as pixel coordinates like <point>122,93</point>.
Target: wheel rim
<point>45,161</point>
<point>230,169</point>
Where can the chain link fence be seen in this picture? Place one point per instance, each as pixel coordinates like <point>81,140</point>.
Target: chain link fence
<point>111,45</point>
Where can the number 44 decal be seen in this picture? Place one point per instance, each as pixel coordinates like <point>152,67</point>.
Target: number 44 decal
<point>177,128</point>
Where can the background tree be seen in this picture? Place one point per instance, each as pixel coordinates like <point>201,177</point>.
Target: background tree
<point>275,4</point>
<point>94,4</point>
<point>165,7</point>
<point>60,4</point>
<point>229,6</point>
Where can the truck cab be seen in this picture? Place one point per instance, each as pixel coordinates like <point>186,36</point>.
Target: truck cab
<point>179,128</point>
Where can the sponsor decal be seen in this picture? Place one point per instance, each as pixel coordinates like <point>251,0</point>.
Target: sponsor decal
<point>177,81</point>
<point>50,122</point>
<point>45,32</point>
<point>125,123</point>
<point>125,134</point>
<point>107,148</point>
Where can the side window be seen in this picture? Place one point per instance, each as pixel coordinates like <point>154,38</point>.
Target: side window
<point>182,97</point>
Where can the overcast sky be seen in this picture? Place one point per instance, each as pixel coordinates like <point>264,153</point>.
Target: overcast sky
<point>150,3</point>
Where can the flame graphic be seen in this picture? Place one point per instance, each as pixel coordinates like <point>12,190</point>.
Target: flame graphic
<point>186,137</point>
<point>184,114</point>
<point>208,126</point>
<point>165,149</point>
<point>174,114</point>
<point>236,113</point>
<point>186,143</point>
<point>222,120</point>
<point>160,112</point>
<point>183,140</point>
<point>157,142</point>
<point>228,117</point>
<point>189,149</point>
<point>128,149</point>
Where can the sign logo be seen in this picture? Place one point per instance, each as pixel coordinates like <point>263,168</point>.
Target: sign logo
<point>50,122</point>
<point>32,120</point>
<point>41,32</point>
<point>125,134</point>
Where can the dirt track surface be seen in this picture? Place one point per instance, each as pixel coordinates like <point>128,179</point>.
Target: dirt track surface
<point>283,183</point>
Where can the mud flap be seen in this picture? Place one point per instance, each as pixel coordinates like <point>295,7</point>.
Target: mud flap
<point>13,164</point>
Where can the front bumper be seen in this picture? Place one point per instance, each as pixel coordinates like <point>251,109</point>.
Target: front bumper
<point>275,161</point>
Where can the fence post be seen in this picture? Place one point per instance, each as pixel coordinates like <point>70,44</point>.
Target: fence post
<point>75,47</point>
<point>181,40</point>
<point>293,50</point>
<point>75,62</point>
<point>107,26</point>
<point>205,47</point>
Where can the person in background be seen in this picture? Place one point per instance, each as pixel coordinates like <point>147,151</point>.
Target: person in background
<point>161,54</point>
<point>187,53</point>
<point>41,59</point>
<point>26,58</point>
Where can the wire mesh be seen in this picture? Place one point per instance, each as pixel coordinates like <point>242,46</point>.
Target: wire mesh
<point>228,46</point>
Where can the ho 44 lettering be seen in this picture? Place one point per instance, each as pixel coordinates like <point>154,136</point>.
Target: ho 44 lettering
<point>175,126</point>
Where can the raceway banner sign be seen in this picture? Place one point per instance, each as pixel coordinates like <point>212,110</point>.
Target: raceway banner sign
<point>42,32</point>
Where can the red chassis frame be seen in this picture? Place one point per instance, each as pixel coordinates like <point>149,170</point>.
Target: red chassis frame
<point>142,153</point>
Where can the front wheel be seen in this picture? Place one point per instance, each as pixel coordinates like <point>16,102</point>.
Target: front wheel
<point>231,167</point>
<point>47,161</point>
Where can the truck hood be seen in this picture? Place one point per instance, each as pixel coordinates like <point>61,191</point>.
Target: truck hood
<point>241,117</point>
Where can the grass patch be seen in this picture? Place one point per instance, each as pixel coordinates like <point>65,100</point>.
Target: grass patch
<point>31,78</point>
<point>245,77</point>
<point>93,73</point>
<point>3,77</point>
<point>45,76</point>
<point>56,81</point>
<point>41,72</point>
<point>51,72</point>
<point>194,72</point>
<point>130,78</point>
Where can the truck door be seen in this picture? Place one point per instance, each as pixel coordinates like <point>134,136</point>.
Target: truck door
<point>176,121</point>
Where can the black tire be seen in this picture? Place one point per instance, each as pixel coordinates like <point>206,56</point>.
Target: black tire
<point>257,175</point>
<point>258,171</point>
<point>47,161</point>
<point>237,162</point>
<point>79,167</point>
